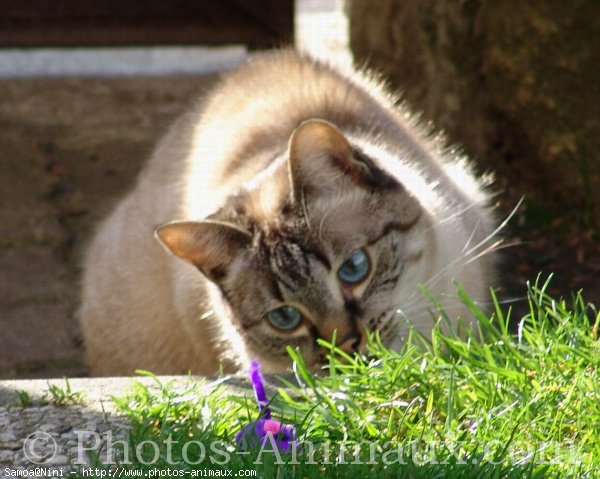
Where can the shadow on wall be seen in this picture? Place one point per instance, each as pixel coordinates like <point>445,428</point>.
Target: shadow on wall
<point>70,149</point>
<point>482,71</point>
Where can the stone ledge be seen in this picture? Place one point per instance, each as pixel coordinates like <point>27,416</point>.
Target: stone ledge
<point>98,391</point>
<point>54,433</point>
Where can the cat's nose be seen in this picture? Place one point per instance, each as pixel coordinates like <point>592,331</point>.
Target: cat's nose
<point>345,335</point>
<point>351,344</point>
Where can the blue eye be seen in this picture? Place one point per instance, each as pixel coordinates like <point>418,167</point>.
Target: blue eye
<point>285,318</point>
<point>355,268</point>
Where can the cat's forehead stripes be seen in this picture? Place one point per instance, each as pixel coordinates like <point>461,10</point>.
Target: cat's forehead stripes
<point>291,264</point>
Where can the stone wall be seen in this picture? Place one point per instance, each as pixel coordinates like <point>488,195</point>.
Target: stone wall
<point>516,83</point>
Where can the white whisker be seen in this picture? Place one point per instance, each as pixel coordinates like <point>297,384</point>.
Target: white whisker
<point>490,249</point>
<point>470,238</point>
<point>447,305</point>
<point>472,253</point>
<point>500,227</point>
<point>458,213</point>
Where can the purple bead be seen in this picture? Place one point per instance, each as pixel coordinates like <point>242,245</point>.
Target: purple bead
<point>255,434</point>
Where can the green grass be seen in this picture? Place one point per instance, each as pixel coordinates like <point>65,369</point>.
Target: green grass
<point>523,405</point>
<point>24,399</point>
<point>64,396</point>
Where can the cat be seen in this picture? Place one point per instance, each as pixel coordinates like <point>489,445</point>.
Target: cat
<point>295,201</point>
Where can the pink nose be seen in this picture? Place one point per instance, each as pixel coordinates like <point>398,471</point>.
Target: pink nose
<point>351,344</point>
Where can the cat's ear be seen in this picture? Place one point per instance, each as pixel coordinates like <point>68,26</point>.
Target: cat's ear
<point>208,245</point>
<point>321,159</point>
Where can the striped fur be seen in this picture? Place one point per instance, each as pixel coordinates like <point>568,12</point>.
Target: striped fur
<point>259,196</point>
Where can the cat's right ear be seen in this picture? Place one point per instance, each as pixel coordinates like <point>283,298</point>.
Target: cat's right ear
<point>209,245</point>
<point>321,159</point>
<point>319,155</point>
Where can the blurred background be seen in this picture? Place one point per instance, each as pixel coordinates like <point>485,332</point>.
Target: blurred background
<point>87,89</point>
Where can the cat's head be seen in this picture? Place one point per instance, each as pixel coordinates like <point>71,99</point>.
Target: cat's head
<point>324,240</point>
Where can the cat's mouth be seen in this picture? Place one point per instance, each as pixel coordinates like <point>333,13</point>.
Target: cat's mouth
<point>384,327</point>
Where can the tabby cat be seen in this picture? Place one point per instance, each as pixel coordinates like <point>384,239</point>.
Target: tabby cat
<point>294,201</point>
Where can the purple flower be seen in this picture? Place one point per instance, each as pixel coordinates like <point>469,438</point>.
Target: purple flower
<point>259,389</point>
<point>258,433</point>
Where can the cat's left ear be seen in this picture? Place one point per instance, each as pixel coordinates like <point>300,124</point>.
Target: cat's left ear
<point>321,159</point>
<point>209,245</point>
